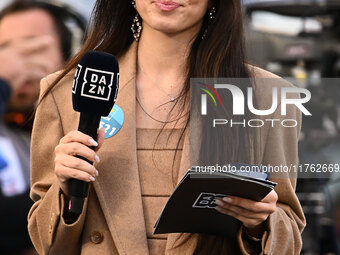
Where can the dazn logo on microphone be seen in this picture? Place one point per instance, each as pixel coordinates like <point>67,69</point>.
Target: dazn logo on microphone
<point>96,83</point>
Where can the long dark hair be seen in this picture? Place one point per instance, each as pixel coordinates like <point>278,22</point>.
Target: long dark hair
<point>220,54</point>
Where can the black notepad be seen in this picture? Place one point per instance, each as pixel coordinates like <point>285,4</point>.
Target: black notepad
<point>190,208</point>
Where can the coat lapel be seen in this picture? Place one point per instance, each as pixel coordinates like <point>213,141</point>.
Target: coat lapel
<point>117,186</point>
<point>179,243</point>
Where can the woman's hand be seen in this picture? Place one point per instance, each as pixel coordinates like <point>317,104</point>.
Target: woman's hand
<point>68,166</point>
<point>251,213</point>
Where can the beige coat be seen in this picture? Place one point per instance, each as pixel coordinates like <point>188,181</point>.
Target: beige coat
<point>112,221</point>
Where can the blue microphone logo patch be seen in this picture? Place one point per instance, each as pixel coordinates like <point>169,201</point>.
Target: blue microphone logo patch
<point>113,122</point>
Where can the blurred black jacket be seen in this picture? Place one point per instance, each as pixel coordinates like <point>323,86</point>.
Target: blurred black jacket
<point>5,92</point>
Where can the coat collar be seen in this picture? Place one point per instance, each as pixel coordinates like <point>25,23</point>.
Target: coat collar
<point>118,187</point>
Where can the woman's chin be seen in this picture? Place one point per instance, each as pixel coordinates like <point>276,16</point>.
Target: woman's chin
<point>173,28</point>
<point>167,27</point>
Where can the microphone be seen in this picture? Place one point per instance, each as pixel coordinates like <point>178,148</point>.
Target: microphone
<point>94,92</point>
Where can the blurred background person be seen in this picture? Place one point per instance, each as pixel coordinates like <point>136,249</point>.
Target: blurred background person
<point>83,7</point>
<point>36,38</point>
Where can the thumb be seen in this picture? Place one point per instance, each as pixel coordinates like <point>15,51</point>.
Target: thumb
<point>100,138</point>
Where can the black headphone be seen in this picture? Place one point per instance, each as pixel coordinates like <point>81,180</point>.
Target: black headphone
<point>70,24</point>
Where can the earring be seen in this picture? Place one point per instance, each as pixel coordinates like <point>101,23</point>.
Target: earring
<point>136,26</point>
<point>212,16</point>
<point>212,13</point>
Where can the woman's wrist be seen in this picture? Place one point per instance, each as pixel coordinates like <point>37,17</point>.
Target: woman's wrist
<point>256,233</point>
<point>253,239</point>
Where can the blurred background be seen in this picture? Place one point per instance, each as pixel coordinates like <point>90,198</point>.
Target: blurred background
<point>295,39</point>
<point>82,6</point>
<point>300,41</point>
<point>36,39</point>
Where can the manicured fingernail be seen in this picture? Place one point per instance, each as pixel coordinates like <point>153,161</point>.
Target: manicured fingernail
<point>97,173</point>
<point>227,199</point>
<point>219,202</point>
<point>97,158</point>
<point>93,142</point>
<point>92,179</point>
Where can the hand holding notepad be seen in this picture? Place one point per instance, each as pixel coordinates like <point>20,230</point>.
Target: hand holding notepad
<point>191,207</point>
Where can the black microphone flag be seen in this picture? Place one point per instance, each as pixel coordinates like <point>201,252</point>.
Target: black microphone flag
<point>96,82</point>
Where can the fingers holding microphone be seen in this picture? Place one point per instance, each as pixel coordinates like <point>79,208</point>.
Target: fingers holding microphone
<point>68,165</point>
<point>100,138</point>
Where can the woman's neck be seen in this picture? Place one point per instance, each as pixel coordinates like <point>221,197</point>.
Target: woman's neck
<point>161,71</point>
<point>164,56</point>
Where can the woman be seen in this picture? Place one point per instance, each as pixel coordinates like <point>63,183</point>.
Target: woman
<point>134,170</point>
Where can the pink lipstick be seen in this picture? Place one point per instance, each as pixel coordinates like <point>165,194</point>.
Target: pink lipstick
<point>166,6</point>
